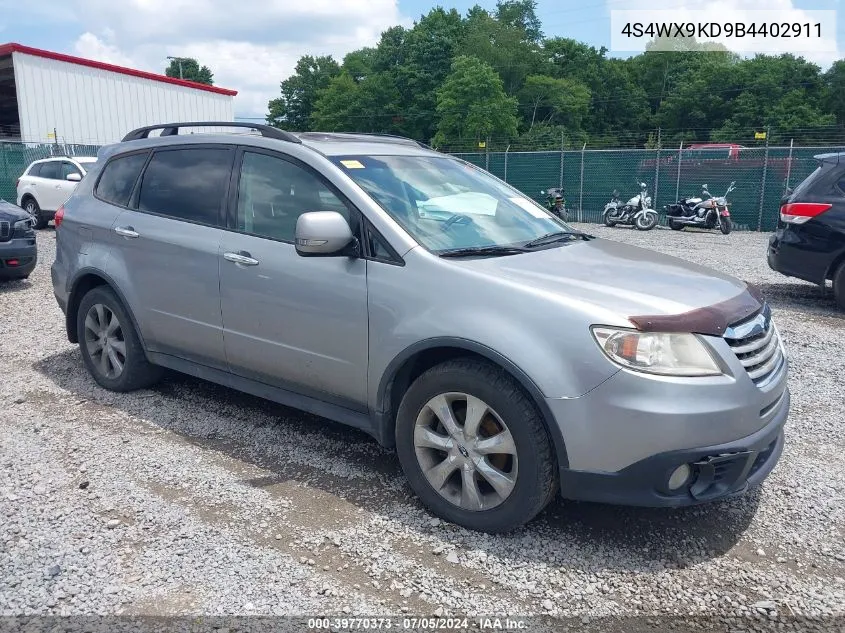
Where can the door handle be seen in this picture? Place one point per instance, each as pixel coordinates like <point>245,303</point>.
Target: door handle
<point>126,231</point>
<point>242,257</point>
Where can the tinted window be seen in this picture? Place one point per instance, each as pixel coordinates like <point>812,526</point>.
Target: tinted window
<point>52,170</point>
<point>273,193</point>
<point>188,184</point>
<point>35,170</point>
<point>69,168</point>
<point>119,178</point>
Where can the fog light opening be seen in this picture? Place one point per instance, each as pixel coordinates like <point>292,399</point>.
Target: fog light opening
<point>679,477</point>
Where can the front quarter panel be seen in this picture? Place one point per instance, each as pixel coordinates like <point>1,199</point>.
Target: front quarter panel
<point>432,299</point>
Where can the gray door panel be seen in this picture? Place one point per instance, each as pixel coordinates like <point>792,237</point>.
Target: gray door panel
<point>173,269</point>
<point>296,322</point>
<point>299,323</point>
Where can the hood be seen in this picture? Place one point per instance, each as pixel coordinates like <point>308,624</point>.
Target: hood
<point>653,291</point>
<point>11,212</point>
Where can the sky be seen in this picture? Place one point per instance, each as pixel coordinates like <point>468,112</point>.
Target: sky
<point>252,45</point>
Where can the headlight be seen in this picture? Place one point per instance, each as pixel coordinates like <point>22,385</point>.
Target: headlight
<point>667,354</point>
<point>22,228</point>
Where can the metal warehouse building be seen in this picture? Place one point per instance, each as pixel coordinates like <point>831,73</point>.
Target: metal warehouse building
<point>48,97</point>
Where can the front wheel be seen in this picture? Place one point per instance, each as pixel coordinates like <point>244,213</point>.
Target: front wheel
<point>474,447</point>
<point>645,221</point>
<point>725,225</point>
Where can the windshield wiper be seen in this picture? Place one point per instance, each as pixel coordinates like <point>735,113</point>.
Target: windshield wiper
<point>483,251</point>
<point>557,236</point>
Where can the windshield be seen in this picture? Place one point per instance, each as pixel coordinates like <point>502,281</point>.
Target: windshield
<point>446,204</point>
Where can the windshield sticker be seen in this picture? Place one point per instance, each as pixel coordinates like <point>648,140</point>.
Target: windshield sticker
<point>529,206</point>
<point>352,164</point>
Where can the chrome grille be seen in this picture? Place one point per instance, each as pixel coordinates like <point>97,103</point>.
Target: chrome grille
<point>756,344</point>
<point>5,231</point>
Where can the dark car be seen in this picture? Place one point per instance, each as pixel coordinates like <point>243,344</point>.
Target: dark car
<point>810,239</point>
<point>17,242</point>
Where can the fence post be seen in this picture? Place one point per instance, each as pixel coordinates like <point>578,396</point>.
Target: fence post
<point>657,169</point>
<point>487,154</point>
<point>763,184</point>
<point>678,181</point>
<point>789,165</point>
<point>507,149</point>
<point>562,144</point>
<point>581,187</point>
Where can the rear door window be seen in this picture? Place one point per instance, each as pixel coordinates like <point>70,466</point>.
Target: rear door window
<point>187,184</point>
<point>35,170</point>
<point>119,177</point>
<point>51,170</point>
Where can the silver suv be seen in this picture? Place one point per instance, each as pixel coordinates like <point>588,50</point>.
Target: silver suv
<point>375,282</point>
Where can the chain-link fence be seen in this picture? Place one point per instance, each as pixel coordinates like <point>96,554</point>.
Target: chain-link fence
<point>589,177</point>
<point>16,157</point>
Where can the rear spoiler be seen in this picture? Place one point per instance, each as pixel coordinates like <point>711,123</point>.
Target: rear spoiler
<point>832,158</point>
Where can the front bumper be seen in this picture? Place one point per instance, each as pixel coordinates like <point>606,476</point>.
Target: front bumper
<point>18,258</point>
<point>718,471</point>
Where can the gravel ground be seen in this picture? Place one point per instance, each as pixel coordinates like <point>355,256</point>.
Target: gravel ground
<point>194,499</point>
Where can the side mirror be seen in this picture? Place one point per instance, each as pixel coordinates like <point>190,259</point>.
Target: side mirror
<point>74,177</point>
<point>322,233</point>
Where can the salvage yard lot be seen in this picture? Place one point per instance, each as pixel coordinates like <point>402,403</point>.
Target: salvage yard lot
<point>190,498</point>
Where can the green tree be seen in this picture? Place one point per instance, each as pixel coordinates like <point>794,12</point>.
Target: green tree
<point>506,46</point>
<point>472,104</point>
<point>293,109</point>
<point>555,101</point>
<point>188,68</point>
<point>835,80</point>
<point>521,14</point>
<point>366,105</point>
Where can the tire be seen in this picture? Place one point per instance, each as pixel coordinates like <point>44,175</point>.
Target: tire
<point>30,205</point>
<point>675,226</point>
<point>527,460</point>
<point>136,371</point>
<point>646,221</point>
<point>839,286</point>
<point>725,225</point>
<point>608,221</point>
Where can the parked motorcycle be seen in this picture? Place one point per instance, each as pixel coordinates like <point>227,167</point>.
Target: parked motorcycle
<point>637,211</point>
<point>555,202</point>
<point>707,211</point>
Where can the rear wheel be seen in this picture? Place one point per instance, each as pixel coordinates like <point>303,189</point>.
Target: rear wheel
<point>31,207</point>
<point>111,349</point>
<point>676,226</point>
<point>725,225</point>
<point>608,221</point>
<point>839,286</point>
<point>474,448</point>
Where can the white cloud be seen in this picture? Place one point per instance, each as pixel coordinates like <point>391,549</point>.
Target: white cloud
<point>250,47</point>
<point>823,50</point>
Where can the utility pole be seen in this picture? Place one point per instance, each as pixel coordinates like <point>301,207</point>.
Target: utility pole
<point>179,60</point>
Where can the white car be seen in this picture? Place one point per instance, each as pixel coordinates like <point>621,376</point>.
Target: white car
<point>47,184</point>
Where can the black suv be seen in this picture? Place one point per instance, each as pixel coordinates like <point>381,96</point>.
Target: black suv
<point>810,240</point>
<point>17,242</point>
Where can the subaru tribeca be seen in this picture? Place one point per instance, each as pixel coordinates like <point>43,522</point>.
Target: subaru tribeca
<point>378,283</point>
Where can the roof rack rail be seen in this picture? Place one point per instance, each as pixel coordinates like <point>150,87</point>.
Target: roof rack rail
<point>172,129</point>
<point>410,141</point>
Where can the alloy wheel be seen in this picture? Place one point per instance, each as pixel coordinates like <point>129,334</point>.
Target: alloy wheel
<point>104,341</point>
<point>465,451</point>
